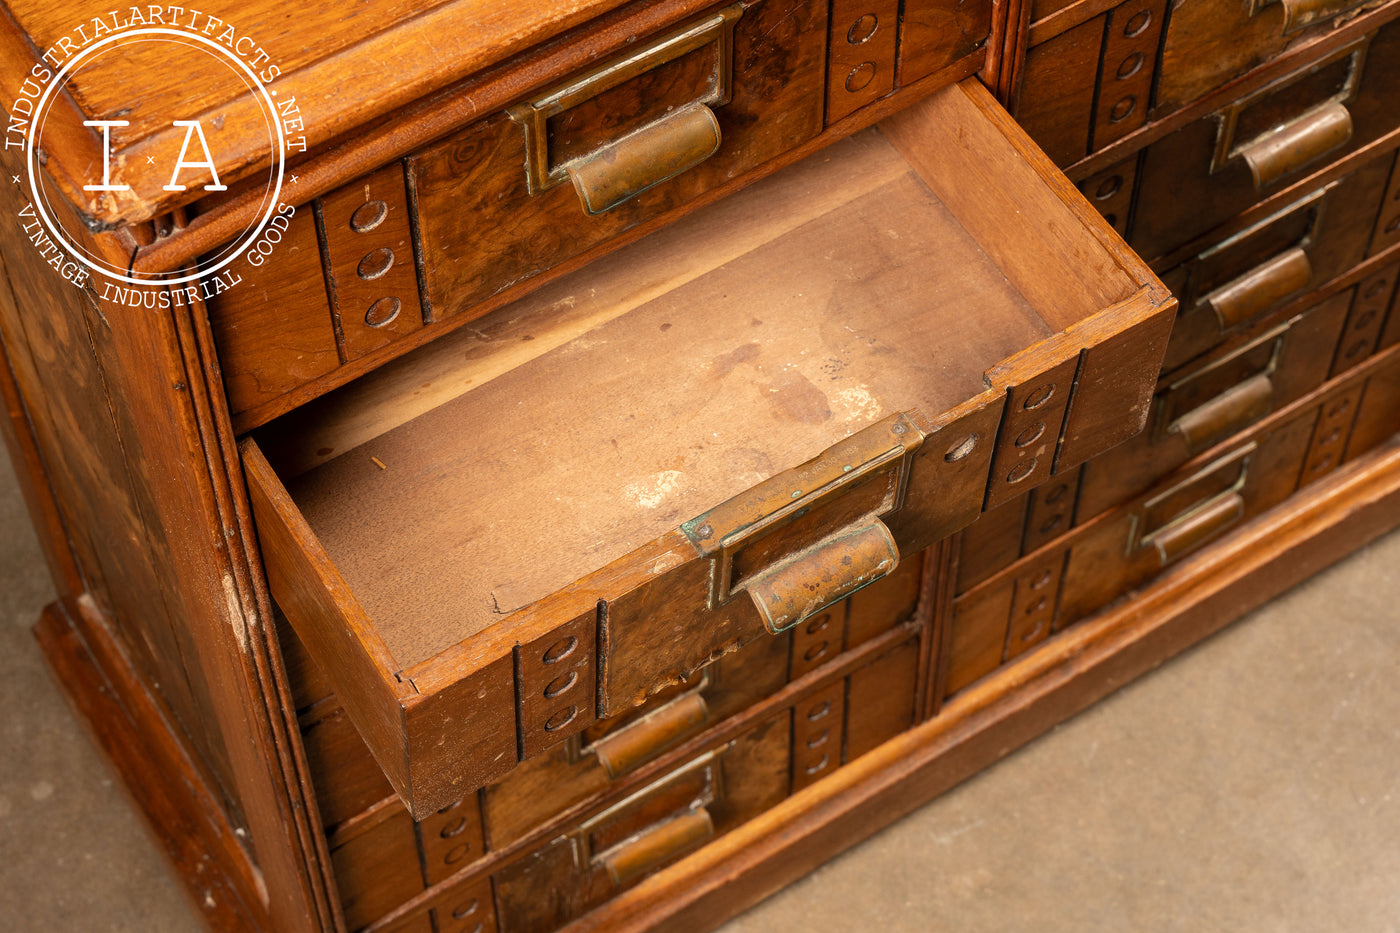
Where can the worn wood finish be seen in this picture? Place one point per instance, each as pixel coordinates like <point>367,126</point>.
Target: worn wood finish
<point>1186,189</point>
<point>1024,700</point>
<point>1284,64</point>
<point>109,697</point>
<point>320,55</point>
<point>448,640</point>
<point>1212,42</point>
<point>1234,285</point>
<point>1287,361</point>
<point>484,229</point>
<point>149,466</point>
<point>1056,102</point>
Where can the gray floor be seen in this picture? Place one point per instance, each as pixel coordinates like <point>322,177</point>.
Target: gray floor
<point>1253,784</point>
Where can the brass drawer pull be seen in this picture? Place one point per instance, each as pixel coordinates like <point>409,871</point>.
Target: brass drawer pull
<point>796,551</point>
<point>1261,288</point>
<point>622,751</point>
<point>1311,136</point>
<point>624,168</point>
<point>629,860</point>
<point>647,157</point>
<point>1197,527</point>
<point>812,579</point>
<point>1226,413</point>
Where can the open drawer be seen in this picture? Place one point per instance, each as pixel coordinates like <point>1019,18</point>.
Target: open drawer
<point>701,439</point>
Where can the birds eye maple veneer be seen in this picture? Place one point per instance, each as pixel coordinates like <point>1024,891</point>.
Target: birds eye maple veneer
<point>671,440</point>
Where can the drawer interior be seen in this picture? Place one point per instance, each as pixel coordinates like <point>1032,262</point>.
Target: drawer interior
<point>928,264</point>
<point>736,350</point>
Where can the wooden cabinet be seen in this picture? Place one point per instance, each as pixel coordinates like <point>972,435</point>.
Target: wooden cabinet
<point>659,443</point>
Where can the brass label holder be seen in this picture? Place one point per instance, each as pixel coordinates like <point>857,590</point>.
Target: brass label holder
<point>652,154</point>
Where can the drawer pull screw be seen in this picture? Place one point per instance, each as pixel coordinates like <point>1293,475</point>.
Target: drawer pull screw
<point>961,449</point>
<point>560,650</point>
<point>561,719</point>
<point>454,828</point>
<point>862,29</point>
<point>368,216</point>
<point>560,685</point>
<point>1021,470</point>
<point>383,312</point>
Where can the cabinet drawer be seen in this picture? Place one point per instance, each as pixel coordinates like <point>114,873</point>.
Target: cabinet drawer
<point>609,493</point>
<point>647,130</point>
<point>610,749</point>
<point>1218,166</point>
<point>1235,284</point>
<point>1211,42</point>
<point>1208,403</point>
<point>610,850</point>
<point>828,725</point>
<point>565,168</point>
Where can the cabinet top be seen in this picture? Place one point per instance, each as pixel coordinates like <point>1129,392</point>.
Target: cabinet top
<point>243,69</point>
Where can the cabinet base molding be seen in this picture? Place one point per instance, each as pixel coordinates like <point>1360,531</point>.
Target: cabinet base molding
<point>1018,703</point>
<point>183,815</point>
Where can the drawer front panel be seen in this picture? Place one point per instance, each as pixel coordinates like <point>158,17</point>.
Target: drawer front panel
<point>1211,42</point>
<point>657,825</point>
<point>1220,165</point>
<point>1091,85</point>
<point>1184,515</point>
<point>540,787</point>
<point>1211,402</point>
<point>610,749</point>
<point>487,223</point>
<point>1234,284</point>
<point>1001,535</point>
<point>377,870</point>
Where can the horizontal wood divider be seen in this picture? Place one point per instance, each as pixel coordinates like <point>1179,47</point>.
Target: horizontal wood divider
<point>992,718</point>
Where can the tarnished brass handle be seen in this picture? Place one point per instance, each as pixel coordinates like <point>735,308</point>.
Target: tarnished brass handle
<point>630,860</point>
<point>624,168</point>
<point>805,583</point>
<point>624,750</point>
<point>1300,14</point>
<point>1260,288</point>
<point>1295,144</point>
<point>1225,414</point>
<point>1197,527</point>
<point>653,154</point>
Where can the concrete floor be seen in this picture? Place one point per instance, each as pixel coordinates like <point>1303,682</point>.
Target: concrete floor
<point>1251,785</point>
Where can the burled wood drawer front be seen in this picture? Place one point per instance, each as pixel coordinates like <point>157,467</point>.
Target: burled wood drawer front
<point>609,851</point>
<point>505,199</point>
<point>465,222</point>
<point>1210,42</point>
<point>393,550</point>
<point>1094,75</point>
<point>1216,167</point>
<point>1232,285</point>
<point>1205,404</point>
